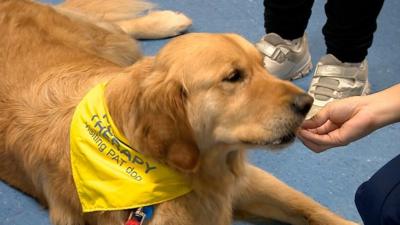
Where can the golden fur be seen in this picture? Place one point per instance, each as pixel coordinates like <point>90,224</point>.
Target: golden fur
<point>195,106</point>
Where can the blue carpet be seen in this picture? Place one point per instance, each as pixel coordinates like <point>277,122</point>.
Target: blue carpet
<point>332,177</point>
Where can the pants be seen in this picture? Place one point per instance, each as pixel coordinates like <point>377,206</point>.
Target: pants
<point>348,30</point>
<point>378,199</point>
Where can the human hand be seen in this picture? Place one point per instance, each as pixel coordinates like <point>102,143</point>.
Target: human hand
<point>338,124</point>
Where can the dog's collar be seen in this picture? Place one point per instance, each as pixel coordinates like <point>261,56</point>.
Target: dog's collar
<point>108,173</point>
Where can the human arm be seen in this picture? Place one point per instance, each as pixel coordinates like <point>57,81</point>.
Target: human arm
<point>344,121</point>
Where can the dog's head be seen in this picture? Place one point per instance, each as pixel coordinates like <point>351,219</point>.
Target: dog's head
<point>211,89</point>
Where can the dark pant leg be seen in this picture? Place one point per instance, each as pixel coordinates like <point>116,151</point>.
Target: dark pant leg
<point>378,199</point>
<point>350,27</point>
<point>288,18</point>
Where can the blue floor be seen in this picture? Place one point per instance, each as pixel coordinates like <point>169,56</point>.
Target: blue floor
<point>331,177</point>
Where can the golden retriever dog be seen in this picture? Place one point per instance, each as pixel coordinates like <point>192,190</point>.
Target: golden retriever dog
<point>196,107</point>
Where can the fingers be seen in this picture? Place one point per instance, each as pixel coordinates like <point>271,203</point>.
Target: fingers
<point>325,128</point>
<point>311,140</point>
<point>329,128</point>
<point>324,139</point>
<point>319,143</point>
<point>315,133</point>
<point>337,124</point>
<point>311,130</point>
<point>319,119</point>
<point>311,145</point>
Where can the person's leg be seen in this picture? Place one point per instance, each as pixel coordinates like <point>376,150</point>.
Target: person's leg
<point>350,27</point>
<point>287,18</point>
<point>378,199</point>
<point>348,35</point>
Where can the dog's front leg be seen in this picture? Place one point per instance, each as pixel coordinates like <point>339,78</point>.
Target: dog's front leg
<point>261,194</point>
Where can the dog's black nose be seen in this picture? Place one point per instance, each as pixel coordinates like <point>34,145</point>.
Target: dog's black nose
<point>302,103</point>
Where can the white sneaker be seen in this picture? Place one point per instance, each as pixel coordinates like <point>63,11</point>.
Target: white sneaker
<point>334,79</point>
<point>286,59</point>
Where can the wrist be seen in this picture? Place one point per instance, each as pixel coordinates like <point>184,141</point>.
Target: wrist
<point>384,106</point>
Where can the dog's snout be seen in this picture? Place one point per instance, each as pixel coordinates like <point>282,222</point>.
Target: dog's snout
<point>302,103</point>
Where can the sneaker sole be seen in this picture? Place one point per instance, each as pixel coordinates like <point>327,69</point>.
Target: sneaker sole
<point>367,89</point>
<point>304,71</point>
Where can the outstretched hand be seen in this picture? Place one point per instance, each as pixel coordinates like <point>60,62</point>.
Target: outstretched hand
<point>338,124</point>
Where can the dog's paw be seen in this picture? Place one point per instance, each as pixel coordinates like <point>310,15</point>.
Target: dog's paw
<point>333,222</point>
<point>328,218</point>
<point>156,25</point>
<point>169,23</point>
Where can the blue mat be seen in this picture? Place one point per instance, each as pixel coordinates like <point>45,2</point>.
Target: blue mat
<point>332,177</point>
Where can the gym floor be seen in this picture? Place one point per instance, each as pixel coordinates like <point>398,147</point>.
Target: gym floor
<point>331,177</point>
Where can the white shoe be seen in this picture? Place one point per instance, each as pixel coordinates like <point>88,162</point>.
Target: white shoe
<point>334,80</point>
<point>286,59</point>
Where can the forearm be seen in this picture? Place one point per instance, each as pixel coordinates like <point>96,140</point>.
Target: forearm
<point>385,106</point>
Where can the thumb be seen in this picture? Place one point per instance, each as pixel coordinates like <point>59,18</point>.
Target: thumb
<point>317,120</point>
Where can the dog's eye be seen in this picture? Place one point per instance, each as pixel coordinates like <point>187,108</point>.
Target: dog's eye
<point>235,76</point>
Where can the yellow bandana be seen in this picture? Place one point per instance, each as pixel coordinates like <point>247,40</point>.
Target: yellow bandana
<point>108,174</point>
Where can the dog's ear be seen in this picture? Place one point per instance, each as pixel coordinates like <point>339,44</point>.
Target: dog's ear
<point>163,124</point>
